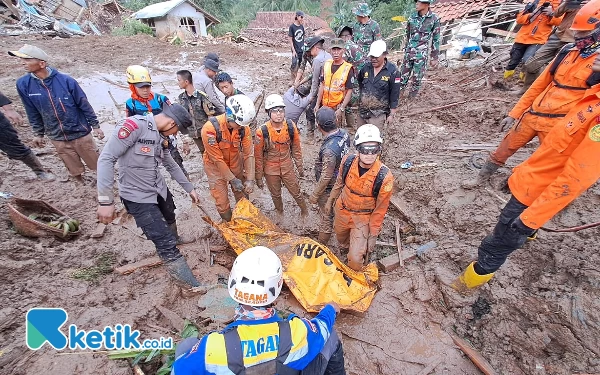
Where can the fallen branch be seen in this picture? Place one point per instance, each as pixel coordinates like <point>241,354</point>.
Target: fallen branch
<point>455,104</point>
<point>399,242</point>
<point>571,229</point>
<point>129,268</point>
<point>474,356</point>
<point>403,359</point>
<point>114,83</point>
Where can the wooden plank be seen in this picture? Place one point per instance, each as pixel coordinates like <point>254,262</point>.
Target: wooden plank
<point>131,267</point>
<point>399,242</point>
<point>391,262</point>
<point>474,356</point>
<point>492,30</point>
<point>12,8</point>
<point>176,321</point>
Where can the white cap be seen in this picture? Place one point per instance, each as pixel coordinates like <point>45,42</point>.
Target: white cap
<point>30,52</point>
<point>377,49</point>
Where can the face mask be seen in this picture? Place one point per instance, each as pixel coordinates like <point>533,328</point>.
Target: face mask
<point>589,44</point>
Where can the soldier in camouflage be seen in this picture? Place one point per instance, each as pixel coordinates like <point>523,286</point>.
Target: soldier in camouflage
<point>354,55</point>
<point>366,31</point>
<point>423,27</point>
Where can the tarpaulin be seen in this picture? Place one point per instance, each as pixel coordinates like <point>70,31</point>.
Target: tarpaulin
<point>312,272</point>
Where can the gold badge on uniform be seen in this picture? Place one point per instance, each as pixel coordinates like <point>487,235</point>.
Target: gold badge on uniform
<point>595,133</point>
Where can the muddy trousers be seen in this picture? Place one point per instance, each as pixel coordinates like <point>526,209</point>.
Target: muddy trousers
<point>506,238</point>
<point>534,66</point>
<point>10,142</point>
<point>326,222</point>
<point>311,117</point>
<point>330,361</point>
<point>517,137</point>
<point>73,152</point>
<point>521,52</point>
<point>352,233</point>
<point>219,191</point>
<point>413,69</point>
<point>274,183</point>
<point>154,220</point>
<point>178,159</point>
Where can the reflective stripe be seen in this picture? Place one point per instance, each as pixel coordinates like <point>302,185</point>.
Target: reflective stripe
<point>334,84</point>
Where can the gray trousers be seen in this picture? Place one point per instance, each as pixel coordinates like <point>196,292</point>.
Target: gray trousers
<point>534,66</point>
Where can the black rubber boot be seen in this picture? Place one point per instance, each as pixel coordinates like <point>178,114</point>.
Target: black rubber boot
<point>181,240</point>
<point>180,271</point>
<point>485,173</point>
<point>34,163</point>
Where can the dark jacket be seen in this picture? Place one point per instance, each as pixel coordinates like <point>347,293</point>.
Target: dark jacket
<point>56,106</point>
<point>380,93</point>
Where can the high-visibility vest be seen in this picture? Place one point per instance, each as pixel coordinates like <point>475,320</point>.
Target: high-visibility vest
<point>334,85</point>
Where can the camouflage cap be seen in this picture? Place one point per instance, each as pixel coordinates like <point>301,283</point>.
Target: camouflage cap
<point>361,9</point>
<point>342,28</point>
<point>337,43</point>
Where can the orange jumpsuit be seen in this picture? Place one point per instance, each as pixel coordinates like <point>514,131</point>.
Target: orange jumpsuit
<point>276,162</point>
<point>564,166</point>
<point>232,157</point>
<point>358,214</point>
<point>538,30</point>
<point>546,103</point>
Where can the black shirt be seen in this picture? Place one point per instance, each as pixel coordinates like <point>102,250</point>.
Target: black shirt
<point>4,100</point>
<point>297,32</point>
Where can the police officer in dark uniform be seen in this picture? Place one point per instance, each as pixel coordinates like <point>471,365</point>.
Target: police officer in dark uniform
<point>139,144</point>
<point>336,144</point>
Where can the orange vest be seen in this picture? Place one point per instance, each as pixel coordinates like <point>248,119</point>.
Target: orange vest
<point>334,85</point>
<point>537,31</point>
<point>357,194</point>
<point>564,166</point>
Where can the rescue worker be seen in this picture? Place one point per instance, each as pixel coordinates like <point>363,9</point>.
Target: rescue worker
<point>379,82</point>
<point>565,165</point>
<point>296,101</point>
<point>561,36</point>
<point>198,106</point>
<point>137,145</point>
<point>229,155</point>
<point>12,145</point>
<point>552,95</point>
<point>366,31</point>
<point>422,29</point>
<point>259,341</point>
<point>336,144</point>
<point>336,81</point>
<point>205,83</point>
<point>315,48</point>
<point>536,25</point>
<point>57,107</point>
<point>276,150</point>
<point>354,55</point>
<point>296,34</point>
<point>362,194</point>
<point>144,101</point>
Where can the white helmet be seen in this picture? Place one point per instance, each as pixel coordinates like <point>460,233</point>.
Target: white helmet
<point>367,133</point>
<point>240,109</point>
<point>273,101</point>
<point>256,277</point>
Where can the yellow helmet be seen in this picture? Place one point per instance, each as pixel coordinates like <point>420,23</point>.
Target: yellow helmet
<point>137,74</point>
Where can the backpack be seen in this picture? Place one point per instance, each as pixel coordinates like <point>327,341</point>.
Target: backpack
<point>383,171</point>
<point>592,80</point>
<point>265,132</point>
<point>217,126</point>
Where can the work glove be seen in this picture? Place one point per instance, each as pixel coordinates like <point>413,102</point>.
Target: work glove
<point>249,186</point>
<point>506,123</point>
<point>518,226</point>
<point>260,184</point>
<point>236,184</point>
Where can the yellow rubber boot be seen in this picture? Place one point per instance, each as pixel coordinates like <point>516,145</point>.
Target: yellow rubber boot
<point>508,73</point>
<point>469,280</point>
<point>522,76</point>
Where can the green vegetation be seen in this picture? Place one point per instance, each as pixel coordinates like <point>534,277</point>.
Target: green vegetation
<point>132,27</point>
<point>104,266</point>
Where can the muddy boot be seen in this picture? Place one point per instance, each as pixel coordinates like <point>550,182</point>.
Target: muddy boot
<point>484,174</point>
<point>181,240</point>
<point>310,131</point>
<point>180,271</point>
<point>469,280</point>
<point>226,216</point>
<point>324,238</point>
<point>303,208</point>
<point>34,163</point>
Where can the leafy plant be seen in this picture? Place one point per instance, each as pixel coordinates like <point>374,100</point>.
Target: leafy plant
<point>132,27</point>
<point>103,266</point>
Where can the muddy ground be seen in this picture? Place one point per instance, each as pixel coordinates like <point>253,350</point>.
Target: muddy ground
<point>539,315</point>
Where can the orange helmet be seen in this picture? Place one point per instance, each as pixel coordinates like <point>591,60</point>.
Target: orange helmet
<point>588,17</point>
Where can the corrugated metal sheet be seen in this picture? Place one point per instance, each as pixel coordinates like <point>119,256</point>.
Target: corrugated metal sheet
<point>161,10</point>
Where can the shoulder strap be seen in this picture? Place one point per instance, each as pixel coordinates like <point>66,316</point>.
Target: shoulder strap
<point>383,171</point>
<point>265,133</point>
<point>242,131</point>
<point>593,79</point>
<point>285,345</point>
<point>560,57</point>
<point>217,126</point>
<point>346,166</point>
<point>291,132</point>
<point>233,347</point>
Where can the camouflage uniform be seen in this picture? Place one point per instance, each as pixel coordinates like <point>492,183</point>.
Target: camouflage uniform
<point>354,55</point>
<point>420,30</point>
<point>366,34</point>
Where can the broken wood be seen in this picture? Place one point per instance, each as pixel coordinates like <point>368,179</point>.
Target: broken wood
<point>176,321</point>
<point>391,262</point>
<point>474,356</point>
<point>399,242</point>
<point>131,267</point>
<point>137,370</point>
<point>12,8</point>
<point>99,231</point>
<point>382,243</point>
<point>431,366</point>
<point>117,105</point>
<point>113,82</point>
<point>455,104</point>
<point>399,204</point>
